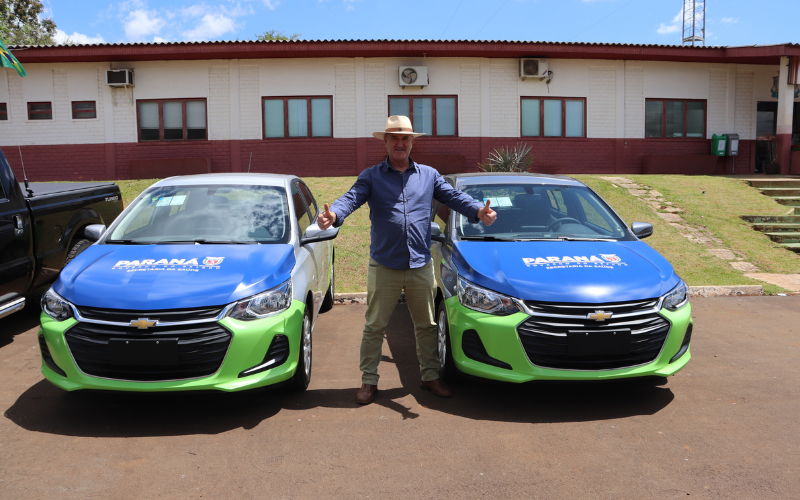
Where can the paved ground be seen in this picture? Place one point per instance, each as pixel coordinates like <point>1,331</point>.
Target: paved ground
<point>726,427</point>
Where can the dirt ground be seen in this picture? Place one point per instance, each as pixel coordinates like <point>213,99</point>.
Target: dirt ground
<point>725,427</point>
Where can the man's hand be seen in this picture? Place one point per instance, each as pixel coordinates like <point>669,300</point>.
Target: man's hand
<point>486,214</point>
<point>326,219</point>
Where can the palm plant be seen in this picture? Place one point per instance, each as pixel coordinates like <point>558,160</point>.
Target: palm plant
<point>508,159</point>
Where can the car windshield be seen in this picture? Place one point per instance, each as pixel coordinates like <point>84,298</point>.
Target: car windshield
<point>206,214</point>
<point>541,212</point>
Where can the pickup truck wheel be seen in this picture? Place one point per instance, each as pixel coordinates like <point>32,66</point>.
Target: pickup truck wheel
<point>327,302</point>
<point>447,370</point>
<point>77,247</point>
<point>302,374</point>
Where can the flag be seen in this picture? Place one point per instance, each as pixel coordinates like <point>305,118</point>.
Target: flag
<point>7,60</point>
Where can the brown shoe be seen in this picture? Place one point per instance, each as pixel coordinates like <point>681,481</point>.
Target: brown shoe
<point>436,387</point>
<point>366,394</point>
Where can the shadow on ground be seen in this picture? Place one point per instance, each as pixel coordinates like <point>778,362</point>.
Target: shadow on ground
<point>21,321</point>
<point>44,408</point>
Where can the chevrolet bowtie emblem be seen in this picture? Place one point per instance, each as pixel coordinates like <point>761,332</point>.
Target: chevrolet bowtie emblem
<point>599,315</point>
<point>143,323</point>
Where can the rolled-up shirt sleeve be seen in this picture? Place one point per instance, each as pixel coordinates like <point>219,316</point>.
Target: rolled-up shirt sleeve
<point>456,199</point>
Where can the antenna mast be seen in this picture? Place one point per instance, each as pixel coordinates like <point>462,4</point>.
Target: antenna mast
<point>694,22</point>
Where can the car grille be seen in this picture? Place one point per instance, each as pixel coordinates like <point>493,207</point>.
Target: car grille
<point>170,315</point>
<point>201,350</point>
<point>544,334</point>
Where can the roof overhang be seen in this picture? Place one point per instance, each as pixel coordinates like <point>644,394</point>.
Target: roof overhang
<point>757,54</point>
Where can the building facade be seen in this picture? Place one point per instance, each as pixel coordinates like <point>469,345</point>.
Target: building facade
<point>309,107</point>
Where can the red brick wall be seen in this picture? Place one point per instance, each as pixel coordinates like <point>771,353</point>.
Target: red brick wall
<point>339,157</point>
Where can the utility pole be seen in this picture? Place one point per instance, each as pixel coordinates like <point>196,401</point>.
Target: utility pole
<point>694,22</point>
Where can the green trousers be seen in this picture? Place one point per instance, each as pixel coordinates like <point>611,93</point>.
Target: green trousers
<point>383,291</point>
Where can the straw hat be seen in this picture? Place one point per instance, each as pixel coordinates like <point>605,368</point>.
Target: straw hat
<point>397,124</point>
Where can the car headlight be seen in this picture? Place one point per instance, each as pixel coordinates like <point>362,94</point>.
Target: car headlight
<point>55,306</point>
<point>480,299</point>
<point>264,304</point>
<point>677,297</point>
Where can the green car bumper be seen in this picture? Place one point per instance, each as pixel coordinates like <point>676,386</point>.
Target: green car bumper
<point>508,361</point>
<point>248,347</point>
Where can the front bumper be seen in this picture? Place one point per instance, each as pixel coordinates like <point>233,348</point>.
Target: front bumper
<point>249,343</point>
<point>499,336</point>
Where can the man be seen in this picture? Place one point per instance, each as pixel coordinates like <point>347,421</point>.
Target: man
<point>400,194</point>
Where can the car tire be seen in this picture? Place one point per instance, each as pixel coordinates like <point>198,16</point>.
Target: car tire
<point>447,370</point>
<point>327,302</point>
<point>76,249</point>
<point>302,374</point>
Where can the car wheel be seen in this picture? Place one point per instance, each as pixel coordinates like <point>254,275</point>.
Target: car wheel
<point>75,250</point>
<point>447,370</point>
<point>302,374</point>
<point>327,302</point>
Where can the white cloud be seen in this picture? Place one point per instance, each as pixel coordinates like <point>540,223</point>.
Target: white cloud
<point>75,37</point>
<point>673,27</point>
<point>158,39</point>
<point>349,4</point>
<point>730,20</point>
<point>211,26</point>
<point>271,4</point>
<point>141,23</point>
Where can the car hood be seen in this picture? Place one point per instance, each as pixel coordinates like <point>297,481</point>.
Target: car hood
<point>566,271</point>
<point>151,277</point>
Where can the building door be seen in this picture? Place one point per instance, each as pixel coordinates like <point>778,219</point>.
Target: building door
<point>766,125</point>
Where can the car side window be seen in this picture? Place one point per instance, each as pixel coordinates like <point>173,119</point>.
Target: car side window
<point>557,200</point>
<point>300,210</point>
<point>310,201</point>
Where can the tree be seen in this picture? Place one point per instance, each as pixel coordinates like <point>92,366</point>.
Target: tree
<point>20,23</point>
<point>276,35</point>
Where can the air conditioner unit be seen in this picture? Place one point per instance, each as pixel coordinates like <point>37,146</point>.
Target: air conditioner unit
<point>119,78</point>
<point>533,68</point>
<point>413,76</point>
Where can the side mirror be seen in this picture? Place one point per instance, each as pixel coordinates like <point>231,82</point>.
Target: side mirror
<point>94,232</point>
<point>642,229</point>
<point>315,234</point>
<point>436,233</point>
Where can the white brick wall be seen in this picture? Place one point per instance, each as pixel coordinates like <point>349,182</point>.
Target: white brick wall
<point>376,103</point>
<point>717,101</point>
<point>62,129</point>
<point>745,107</point>
<point>344,101</point>
<point>634,102</point>
<point>249,103</point>
<point>469,101</point>
<point>219,105</point>
<point>124,115</point>
<point>504,99</point>
<point>602,102</point>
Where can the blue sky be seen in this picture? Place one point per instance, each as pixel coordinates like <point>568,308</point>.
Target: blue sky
<point>728,22</point>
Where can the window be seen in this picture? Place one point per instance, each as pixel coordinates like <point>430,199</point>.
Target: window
<point>310,201</point>
<point>666,118</point>
<point>40,111</point>
<point>431,115</point>
<point>84,109</point>
<point>553,117</point>
<point>300,210</point>
<point>172,120</point>
<point>291,117</point>
<point>3,111</point>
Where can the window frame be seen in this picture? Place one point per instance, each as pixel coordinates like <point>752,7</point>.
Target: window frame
<point>563,117</point>
<point>94,109</point>
<point>3,111</point>
<point>31,112</point>
<point>435,97</point>
<point>160,102</point>
<point>309,118</point>
<point>664,118</point>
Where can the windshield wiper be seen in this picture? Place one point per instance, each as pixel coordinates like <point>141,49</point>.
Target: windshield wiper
<point>127,242</point>
<point>568,238</point>
<point>486,238</point>
<point>202,241</point>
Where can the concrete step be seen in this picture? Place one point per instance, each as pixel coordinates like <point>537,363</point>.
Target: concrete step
<point>794,247</point>
<point>775,183</point>
<point>773,219</point>
<point>777,228</point>
<point>775,192</point>
<point>792,201</point>
<point>785,237</point>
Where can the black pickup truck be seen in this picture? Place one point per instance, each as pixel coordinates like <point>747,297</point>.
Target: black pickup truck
<point>42,229</point>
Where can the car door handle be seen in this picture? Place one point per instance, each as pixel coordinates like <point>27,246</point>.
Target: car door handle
<point>18,224</point>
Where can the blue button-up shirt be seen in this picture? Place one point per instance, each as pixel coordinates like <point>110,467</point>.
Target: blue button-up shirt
<point>400,210</point>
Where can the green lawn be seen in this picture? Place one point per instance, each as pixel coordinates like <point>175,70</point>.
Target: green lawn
<point>712,202</point>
